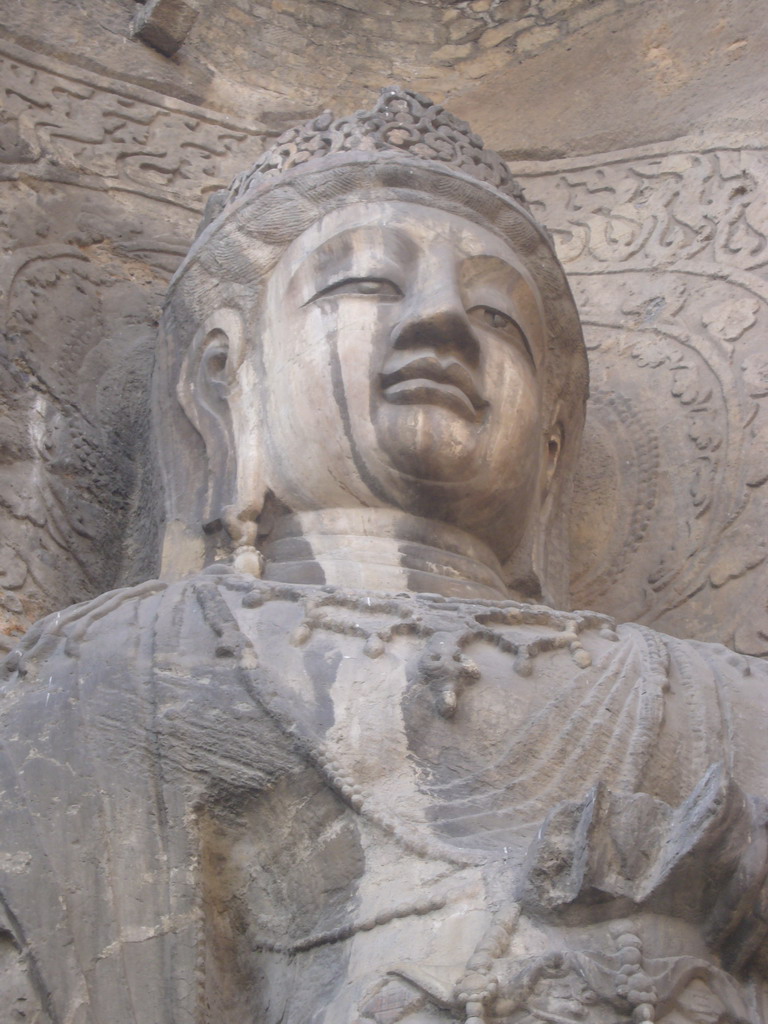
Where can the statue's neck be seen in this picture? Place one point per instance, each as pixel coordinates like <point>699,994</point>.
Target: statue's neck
<point>381,549</point>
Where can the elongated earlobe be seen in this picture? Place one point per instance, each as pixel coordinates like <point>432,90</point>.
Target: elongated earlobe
<point>552,455</point>
<point>529,571</point>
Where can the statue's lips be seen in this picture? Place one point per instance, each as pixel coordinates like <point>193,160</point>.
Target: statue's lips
<point>428,380</point>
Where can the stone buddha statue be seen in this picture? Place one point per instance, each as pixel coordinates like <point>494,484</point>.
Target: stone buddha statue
<point>351,760</point>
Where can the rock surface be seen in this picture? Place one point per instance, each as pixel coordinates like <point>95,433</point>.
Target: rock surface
<point>345,760</point>
<point>106,147</point>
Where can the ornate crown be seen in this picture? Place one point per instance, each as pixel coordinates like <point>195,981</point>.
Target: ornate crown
<point>401,122</point>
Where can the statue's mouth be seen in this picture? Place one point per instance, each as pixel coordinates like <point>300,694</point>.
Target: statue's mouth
<point>427,380</point>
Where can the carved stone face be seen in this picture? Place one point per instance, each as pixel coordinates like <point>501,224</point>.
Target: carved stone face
<point>399,363</point>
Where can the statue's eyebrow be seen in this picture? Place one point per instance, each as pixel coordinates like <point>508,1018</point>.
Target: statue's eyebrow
<point>373,240</point>
<point>478,264</point>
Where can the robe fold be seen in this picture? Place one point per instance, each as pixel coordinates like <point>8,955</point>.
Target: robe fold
<point>236,801</point>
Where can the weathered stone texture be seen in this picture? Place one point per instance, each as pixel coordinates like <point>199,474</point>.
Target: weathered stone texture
<point>346,766</point>
<point>164,24</point>
<point>105,144</point>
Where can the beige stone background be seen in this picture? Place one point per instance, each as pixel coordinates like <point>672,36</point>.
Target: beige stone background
<point>636,127</point>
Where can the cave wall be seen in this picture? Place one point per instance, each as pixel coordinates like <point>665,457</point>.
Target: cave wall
<point>636,127</point>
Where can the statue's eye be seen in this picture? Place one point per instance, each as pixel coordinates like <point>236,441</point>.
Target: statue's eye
<point>502,323</point>
<point>496,319</point>
<point>362,286</point>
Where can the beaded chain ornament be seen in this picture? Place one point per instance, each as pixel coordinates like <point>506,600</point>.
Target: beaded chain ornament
<point>433,620</point>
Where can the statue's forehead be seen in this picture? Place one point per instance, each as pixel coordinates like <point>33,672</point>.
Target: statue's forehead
<point>401,229</point>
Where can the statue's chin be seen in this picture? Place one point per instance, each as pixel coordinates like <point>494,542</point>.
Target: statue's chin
<point>432,443</point>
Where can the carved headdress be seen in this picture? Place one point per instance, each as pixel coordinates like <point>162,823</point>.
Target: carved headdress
<point>406,148</point>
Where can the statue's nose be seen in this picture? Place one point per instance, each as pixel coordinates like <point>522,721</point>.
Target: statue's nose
<point>436,319</point>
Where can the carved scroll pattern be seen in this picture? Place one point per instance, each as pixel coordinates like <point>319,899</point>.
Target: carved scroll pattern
<point>56,124</point>
<point>667,252</point>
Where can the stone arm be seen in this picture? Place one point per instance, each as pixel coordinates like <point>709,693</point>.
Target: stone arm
<point>705,860</point>
<point>120,721</point>
<point>739,919</point>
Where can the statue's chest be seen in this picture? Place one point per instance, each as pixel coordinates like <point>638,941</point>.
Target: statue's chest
<point>429,716</point>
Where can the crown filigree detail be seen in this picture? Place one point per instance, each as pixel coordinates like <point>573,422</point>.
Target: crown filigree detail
<point>401,122</point>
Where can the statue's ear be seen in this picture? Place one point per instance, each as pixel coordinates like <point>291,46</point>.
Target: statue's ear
<point>207,380</point>
<point>553,442</point>
<point>538,570</point>
<point>551,554</point>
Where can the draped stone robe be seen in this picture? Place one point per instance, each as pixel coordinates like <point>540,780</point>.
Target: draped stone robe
<point>238,801</point>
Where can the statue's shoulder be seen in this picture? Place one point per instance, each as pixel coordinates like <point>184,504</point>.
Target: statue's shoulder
<point>739,679</point>
<point>742,682</point>
<point>733,671</point>
<point>110,617</point>
<point>676,651</point>
<point>111,631</point>
<point>714,697</point>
